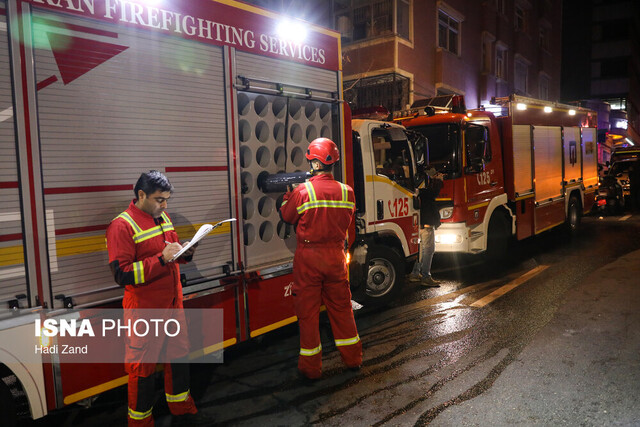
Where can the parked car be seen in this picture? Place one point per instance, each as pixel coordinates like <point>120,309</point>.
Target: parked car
<point>614,191</point>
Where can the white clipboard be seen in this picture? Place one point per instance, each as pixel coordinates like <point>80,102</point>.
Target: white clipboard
<point>202,231</point>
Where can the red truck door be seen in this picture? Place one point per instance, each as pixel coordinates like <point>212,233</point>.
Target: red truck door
<point>482,166</point>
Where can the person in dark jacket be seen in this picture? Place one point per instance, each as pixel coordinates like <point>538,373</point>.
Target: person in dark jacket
<point>429,221</point>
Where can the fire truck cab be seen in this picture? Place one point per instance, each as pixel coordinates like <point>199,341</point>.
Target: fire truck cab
<point>520,169</point>
<point>386,174</point>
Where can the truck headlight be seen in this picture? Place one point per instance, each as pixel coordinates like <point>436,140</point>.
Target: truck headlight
<point>448,238</point>
<point>446,213</point>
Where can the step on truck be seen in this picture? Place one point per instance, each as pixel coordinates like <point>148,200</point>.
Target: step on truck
<point>513,169</point>
<point>215,94</point>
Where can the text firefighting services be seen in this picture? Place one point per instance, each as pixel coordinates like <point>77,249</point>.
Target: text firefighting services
<point>143,15</point>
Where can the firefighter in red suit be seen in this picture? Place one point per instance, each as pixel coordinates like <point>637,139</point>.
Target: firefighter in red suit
<point>322,209</point>
<point>141,242</point>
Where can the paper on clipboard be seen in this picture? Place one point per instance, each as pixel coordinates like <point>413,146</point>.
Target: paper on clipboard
<point>202,231</point>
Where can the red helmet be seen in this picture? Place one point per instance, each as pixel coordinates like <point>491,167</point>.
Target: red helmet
<point>323,149</point>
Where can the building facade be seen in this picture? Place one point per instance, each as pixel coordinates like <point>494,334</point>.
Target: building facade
<point>601,63</point>
<point>398,51</point>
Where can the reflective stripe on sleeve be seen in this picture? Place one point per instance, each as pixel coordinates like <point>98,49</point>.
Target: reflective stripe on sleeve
<point>138,273</point>
<point>135,415</point>
<point>345,192</point>
<point>310,191</point>
<point>348,341</point>
<point>310,351</point>
<point>177,397</point>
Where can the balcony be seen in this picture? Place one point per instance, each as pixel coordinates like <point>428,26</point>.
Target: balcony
<point>450,70</point>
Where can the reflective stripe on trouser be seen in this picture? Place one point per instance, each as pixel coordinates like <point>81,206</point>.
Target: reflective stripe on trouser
<point>320,276</point>
<point>176,388</point>
<point>140,398</point>
<point>140,419</point>
<point>141,393</point>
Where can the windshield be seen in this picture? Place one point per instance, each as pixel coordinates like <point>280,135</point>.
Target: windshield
<point>443,146</point>
<point>621,169</point>
<point>621,156</point>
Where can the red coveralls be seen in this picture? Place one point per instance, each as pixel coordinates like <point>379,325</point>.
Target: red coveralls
<point>322,208</point>
<point>135,241</point>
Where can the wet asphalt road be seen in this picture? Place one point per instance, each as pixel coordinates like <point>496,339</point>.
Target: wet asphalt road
<point>562,346</point>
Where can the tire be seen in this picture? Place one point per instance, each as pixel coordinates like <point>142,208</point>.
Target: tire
<point>384,272</point>
<point>573,215</point>
<point>8,409</point>
<point>499,234</point>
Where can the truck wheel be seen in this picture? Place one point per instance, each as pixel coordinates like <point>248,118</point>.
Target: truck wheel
<point>8,411</point>
<point>385,270</point>
<point>498,236</point>
<point>573,215</point>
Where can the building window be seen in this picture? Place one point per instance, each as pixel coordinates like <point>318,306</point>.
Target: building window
<point>615,30</point>
<point>501,62</point>
<point>519,18</point>
<point>614,68</point>
<point>359,20</point>
<point>388,90</point>
<point>543,87</point>
<point>485,58</point>
<point>372,20</point>
<point>448,31</point>
<point>487,42</point>
<point>521,80</point>
<point>544,37</point>
<point>617,103</point>
<point>402,21</point>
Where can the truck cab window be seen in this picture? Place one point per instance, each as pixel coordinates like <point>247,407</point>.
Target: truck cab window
<point>421,153</point>
<point>358,172</point>
<point>477,145</point>
<point>393,158</point>
<point>443,147</point>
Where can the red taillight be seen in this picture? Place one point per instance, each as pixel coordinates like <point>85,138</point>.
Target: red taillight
<point>602,202</point>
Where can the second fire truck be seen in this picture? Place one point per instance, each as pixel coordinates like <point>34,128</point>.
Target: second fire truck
<point>514,169</point>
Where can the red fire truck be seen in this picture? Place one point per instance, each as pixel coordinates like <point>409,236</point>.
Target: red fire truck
<point>218,96</point>
<point>516,168</point>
